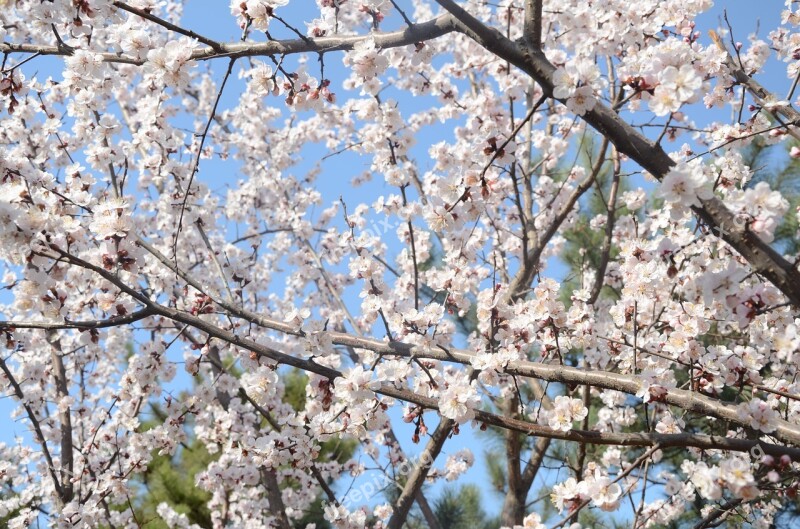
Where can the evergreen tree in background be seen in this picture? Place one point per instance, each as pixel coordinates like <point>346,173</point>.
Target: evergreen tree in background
<point>171,480</point>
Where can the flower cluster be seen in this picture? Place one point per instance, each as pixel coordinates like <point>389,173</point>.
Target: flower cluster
<point>169,65</point>
<point>565,412</point>
<point>598,488</point>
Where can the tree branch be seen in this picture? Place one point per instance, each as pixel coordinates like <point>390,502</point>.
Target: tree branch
<point>64,417</point>
<point>605,251</point>
<point>533,24</point>
<point>93,324</point>
<point>427,512</point>
<point>763,259</point>
<point>420,472</point>
<point>165,23</point>
<point>276,506</point>
<point>431,29</point>
<point>687,400</point>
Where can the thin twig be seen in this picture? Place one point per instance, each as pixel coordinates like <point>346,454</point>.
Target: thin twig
<point>196,163</point>
<point>165,23</point>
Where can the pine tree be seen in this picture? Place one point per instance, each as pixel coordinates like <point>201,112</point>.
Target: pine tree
<point>171,479</point>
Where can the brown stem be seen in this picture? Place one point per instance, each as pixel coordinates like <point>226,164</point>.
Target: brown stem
<point>39,437</point>
<point>431,29</point>
<point>276,506</point>
<point>64,417</point>
<point>92,324</point>
<point>420,472</point>
<point>763,259</point>
<point>605,251</point>
<point>427,512</point>
<point>687,400</point>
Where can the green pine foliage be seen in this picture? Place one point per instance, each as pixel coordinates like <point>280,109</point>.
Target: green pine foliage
<point>583,248</point>
<point>7,494</point>
<point>171,479</point>
<point>461,508</point>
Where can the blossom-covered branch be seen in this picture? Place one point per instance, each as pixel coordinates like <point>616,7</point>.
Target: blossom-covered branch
<point>524,220</point>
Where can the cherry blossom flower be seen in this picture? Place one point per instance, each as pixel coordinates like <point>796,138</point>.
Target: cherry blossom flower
<point>356,385</point>
<point>684,186</point>
<point>366,60</point>
<point>258,12</point>
<point>458,463</point>
<point>459,403</point>
<point>581,100</point>
<point>760,415</point>
<point>566,411</point>
<point>683,82</point>
<point>604,493</point>
<point>170,63</point>
<point>566,494</point>
<point>531,521</point>
<point>263,80</point>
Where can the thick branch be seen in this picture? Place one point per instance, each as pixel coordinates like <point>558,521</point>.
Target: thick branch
<point>535,461</point>
<point>687,400</point>
<point>276,506</point>
<point>514,501</point>
<point>533,23</point>
<point>405,37</point>
<point>763,259</point>
<point>420,472</point>
<point>427,512</point>
<point>64,417</point>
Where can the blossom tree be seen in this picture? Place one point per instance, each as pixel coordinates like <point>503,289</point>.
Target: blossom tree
<point>166,207</point>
